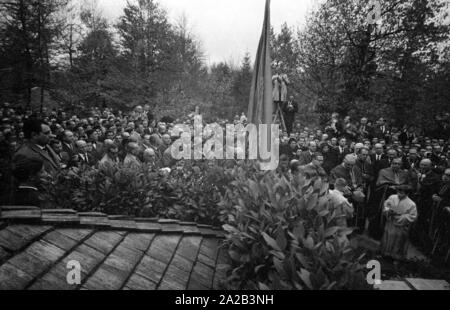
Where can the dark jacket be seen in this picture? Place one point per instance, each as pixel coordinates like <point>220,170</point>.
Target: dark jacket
<point>48,156</point>
<point>340,172</point>
<point>377,166</point>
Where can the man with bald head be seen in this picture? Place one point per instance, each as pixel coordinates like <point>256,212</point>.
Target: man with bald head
<point>394,176</point>
<point>348,171</point>
<point>352,174</point>
<point>83,158</point>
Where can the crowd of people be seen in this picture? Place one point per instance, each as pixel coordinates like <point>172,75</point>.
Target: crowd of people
<point>378,173</point>
<point>392,182</point>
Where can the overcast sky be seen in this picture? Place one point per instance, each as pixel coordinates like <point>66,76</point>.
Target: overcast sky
<point>226,28</point>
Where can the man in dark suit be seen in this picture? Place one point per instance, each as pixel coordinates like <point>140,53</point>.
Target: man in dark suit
<point>38,136</point>
<point>307,157</point>
<point>97,147</point>
<point>342,149</point>
<point>394,176</point>
<point>68,143</point>
<point>379,160</point>
<point>350,172</point>
<point>407,136</point>
<point>429,183</point>
<point>382,131</point>
<point>290,109</point>
<point>84,159</point>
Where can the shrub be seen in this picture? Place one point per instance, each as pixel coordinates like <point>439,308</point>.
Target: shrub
<point>188,194</point>
<point>283,237</point>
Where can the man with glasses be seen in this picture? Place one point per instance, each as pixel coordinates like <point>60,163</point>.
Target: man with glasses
<point>38,135</point>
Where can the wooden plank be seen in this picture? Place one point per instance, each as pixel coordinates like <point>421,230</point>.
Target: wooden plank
<point>60,240</point>
<point>139,283</point>
<point>17,237</point>
<point>104,241</point>
<point>429,285</point>
<point>29,230</point>
<point>194,285</point>
<point>123,260</point>
<point>151,269</point>
<point>393,286</point>
<point>209,248</point>
<point>30,264</point>
<point>3,255</point>
<point>75,234</point>
<point>149,226</point>
<point>12,278</point>
<point>139,242</point>
<point>21,214</point>
<point>163,247</point>
<point>88,258</point>
<point>123,265</point>
<point>189,247</point>
<point>182,263</point>
<point>52,282</point>
<point>203,275</point>
<point>104,278</point>
<point>37,258</point>
<point>174,279</point>
<point>45,251</point>
<point>177,275</point>
<point>206,260</point>
<point>123,224</point>
<point>12,242</point>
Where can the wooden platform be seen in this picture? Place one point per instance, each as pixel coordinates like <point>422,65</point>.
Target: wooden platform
<point>115,253</point>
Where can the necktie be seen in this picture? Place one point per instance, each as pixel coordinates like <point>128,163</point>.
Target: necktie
<point>396,178</point>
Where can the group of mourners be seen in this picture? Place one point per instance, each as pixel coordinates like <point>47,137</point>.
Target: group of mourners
<point>392,184</point>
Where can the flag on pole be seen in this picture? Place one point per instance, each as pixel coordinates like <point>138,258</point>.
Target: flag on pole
<point>260,109</point>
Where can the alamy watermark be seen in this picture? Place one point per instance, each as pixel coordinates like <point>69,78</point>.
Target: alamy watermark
<point>258,142</point>
<point>374,275</point>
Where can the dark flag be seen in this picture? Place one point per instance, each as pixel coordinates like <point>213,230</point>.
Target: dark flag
<point>260,109</point>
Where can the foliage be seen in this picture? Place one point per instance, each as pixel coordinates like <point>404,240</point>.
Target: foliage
<point>347,63</point>
<point>282,236</point>
<point>188,194</point>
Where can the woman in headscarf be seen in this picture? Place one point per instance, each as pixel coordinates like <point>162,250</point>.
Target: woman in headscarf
<point>400,212</point>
